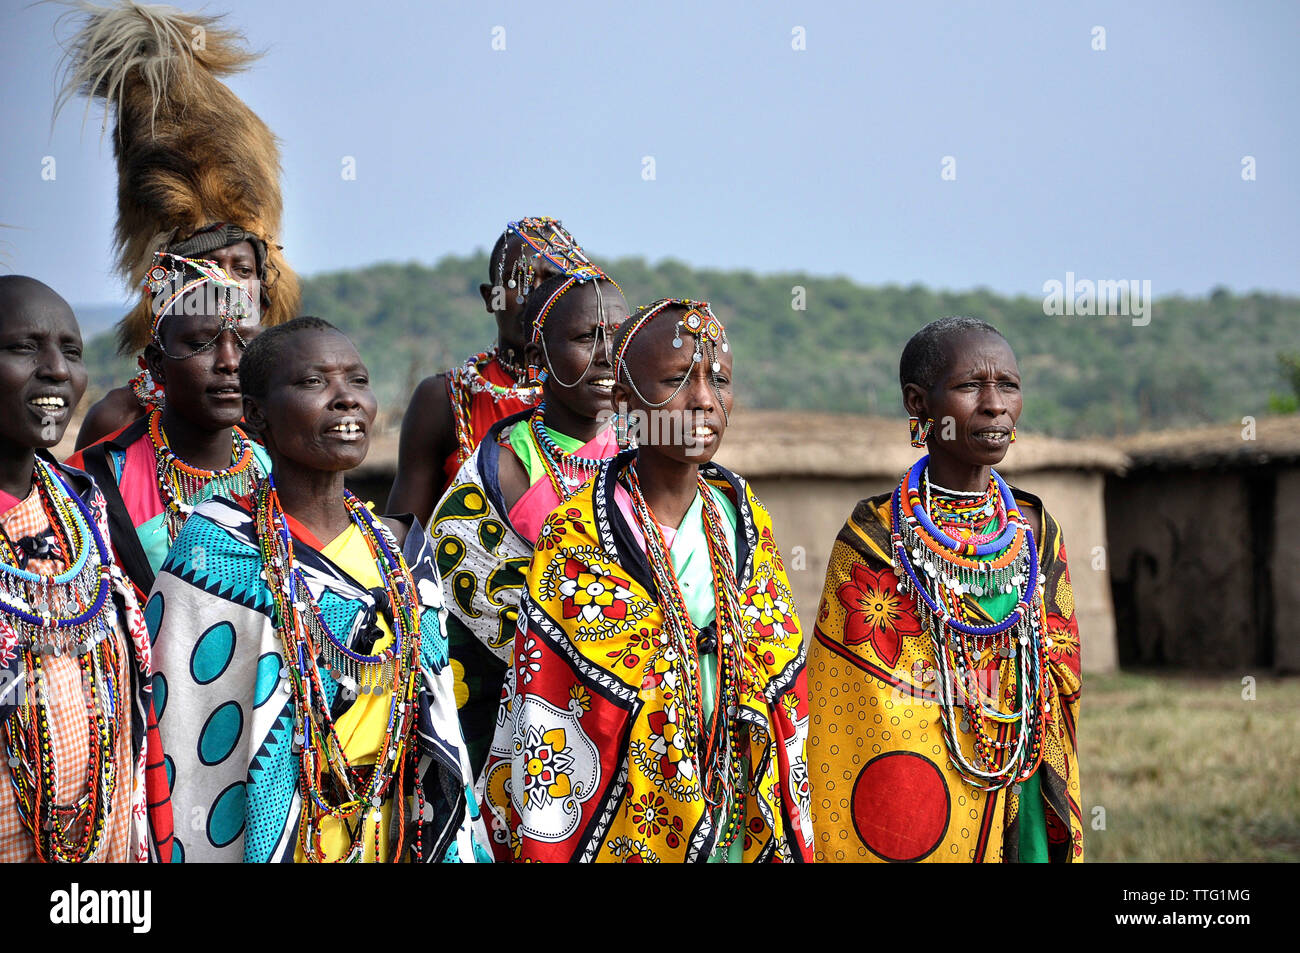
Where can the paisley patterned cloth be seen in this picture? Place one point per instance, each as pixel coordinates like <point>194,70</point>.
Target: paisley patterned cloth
<point>225,704</point>
<point>483,560</point>
<point>592,759</point>
<point>882,785</point>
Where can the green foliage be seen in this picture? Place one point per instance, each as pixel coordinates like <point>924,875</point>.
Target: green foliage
<point>1197,361</point>
<point>1289,365</point>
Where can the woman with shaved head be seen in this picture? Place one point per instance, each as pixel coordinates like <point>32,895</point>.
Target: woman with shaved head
<point>74,654</point>
<point>655,710</point>
<point>945,659</point>
<point>303,683</point>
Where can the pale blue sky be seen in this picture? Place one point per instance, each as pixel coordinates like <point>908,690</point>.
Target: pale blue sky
<point>1117,164</point>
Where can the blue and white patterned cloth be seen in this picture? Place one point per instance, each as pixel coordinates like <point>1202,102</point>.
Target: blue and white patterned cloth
<point>226,712</point>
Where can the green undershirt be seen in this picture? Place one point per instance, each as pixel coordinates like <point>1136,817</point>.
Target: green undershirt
<point>524,444</point>
<point>1033,822</point>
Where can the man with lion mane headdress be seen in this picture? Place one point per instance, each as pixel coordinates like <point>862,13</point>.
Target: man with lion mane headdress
<point>198,171</point>
<point>198,212</point>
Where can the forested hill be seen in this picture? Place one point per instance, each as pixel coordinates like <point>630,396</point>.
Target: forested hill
<point>1210,360</point>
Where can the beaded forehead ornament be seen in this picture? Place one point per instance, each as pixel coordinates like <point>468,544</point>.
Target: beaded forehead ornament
<point>172,277</point>
<point>545,239</point>
<point>595,276</point>
<point>699,321</point>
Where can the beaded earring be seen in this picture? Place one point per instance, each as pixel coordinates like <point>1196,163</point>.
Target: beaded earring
<point>620,430</point>
<point>919,431</point>
<point>1013,433</point>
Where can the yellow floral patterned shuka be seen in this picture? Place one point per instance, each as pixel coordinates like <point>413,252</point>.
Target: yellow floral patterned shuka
<point>882,784</point>
<point>594,757</point>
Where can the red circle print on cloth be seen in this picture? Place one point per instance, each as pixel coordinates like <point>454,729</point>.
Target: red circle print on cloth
<point>900,806</point>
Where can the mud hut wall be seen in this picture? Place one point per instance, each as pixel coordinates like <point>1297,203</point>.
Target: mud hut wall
<point>1182,579</point>
<point>808,512</point>
<point>1285,563</point>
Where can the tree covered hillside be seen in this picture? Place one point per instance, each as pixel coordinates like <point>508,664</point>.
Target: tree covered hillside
<point>1209,360</point>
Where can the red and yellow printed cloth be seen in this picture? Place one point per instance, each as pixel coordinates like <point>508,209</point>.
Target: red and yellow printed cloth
<point>882,785</point>
<point>591,760</point>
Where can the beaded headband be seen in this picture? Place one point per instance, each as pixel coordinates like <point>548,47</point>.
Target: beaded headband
<point>172,277</point>
<point>544,238</point>
<point>594,277</point>
<point>593,274</point>
<point>699,321</point>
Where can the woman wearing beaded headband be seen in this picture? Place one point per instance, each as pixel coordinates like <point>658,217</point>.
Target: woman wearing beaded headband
<point>300,648</point>
<point>655,710</point>
<point>155,471</point>
<point>945,660</point>
<point>79,761</point>
<point>487,524</point>
<point>450,413</point>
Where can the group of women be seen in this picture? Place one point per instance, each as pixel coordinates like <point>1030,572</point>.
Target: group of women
<point>586,649</point>
<point>570,636</point>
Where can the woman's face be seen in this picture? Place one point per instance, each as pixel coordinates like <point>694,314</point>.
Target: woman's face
<point>198,367</point>
<point>319,408</point>
<point>690,427</point>
<point>42,375</point>
<point>975,402</point>
<point>579,349</point>
<point>240,262</point>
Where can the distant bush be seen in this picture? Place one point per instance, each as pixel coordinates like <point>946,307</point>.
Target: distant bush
<point>1209,360</point>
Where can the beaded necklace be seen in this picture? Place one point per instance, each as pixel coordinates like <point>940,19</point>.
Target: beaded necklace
<point>182,484</point>
<point>69,613</point>
<point>465,381</point>
<point>566,471</point>
<point>715,745</point>
<point>312,649</point>
<point>940,569</point>
<point>965,511</point>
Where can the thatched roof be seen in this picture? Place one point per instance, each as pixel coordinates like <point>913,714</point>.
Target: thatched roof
<point>770,443</point>
<point>1275,440</point>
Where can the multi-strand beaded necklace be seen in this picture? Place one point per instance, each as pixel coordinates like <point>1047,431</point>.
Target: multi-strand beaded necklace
<point>65,614</point>
<point>330,784</point>
<point>716,744</point>
<point>183,486</point>
<point>998,556</point>
<point>465,381</point>
<point>566,471</point>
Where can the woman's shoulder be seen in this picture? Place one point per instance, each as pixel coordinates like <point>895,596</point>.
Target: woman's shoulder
<point>1034,511</point>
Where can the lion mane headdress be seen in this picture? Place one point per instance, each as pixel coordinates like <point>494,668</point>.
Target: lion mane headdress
<point>196,168</point>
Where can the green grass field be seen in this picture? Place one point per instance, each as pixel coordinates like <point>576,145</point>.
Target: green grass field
<point>1188,770</point>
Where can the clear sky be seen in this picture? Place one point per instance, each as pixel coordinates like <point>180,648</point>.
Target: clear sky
<point>1117,163</point>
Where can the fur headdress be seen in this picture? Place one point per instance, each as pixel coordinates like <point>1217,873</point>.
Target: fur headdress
<point>196,168</point>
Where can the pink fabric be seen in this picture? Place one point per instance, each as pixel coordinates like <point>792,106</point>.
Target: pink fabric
<point>530,512</point>
<point>624,500</point>
<point>139,482</point>
<point>8,501</point>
